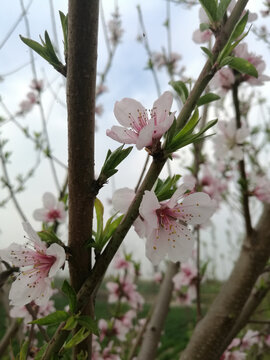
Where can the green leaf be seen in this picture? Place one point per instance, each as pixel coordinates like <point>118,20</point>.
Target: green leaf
<point>52,319</point>
<point>49,237</point>
<point>89,323</point>
<point>77,338</point>
<point>99,213</point>
<point>204,26</point>
<point>36,47</point>
<point>207,98</point>
<point>24,350</point>
<point>190,125</point>
<point>222,7</point>
<point>71,323</point>
<point>71,294</point>
<point>208,54</point>
<point>234,39</point>
<point>243,66</point>
<point>239,27</point>
<point>41,352</point>
<point>64,24</point>
<point>113,159</point>
<point>181,89</point>
<point>110,228</point>
<point>165,189</point>
<point>210,7</point>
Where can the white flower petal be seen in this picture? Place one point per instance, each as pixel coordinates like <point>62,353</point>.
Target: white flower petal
<point>127,110</point>
<point>33,236</point>
<point>49,200</point>
<point>60,255</point>
<point>40,214</point>
<point>148,208</point>
<point>122,198</point>
<point>197,208</point>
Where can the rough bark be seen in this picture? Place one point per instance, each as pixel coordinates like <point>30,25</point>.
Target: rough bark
<point>158,318</point>
<point>207,341</point>
<point>81,88</point>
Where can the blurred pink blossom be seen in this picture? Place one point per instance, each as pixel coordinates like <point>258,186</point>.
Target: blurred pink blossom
<point>53,210</point>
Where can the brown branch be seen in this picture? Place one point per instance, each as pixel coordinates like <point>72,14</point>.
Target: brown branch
<point>11,331</point>
<point>254,300</point>
<point>207,341</point>
<point>242,170</point>
<point>156,324</point>
<point>81,88</point>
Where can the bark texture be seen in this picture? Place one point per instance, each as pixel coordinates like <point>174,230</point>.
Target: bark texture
<point>81,89</point>
<point>207,342</point>
<point>158,318</point>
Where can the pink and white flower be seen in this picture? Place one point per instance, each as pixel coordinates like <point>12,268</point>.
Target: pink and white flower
<point>39,265</point>
<point>241,50</point>
<point>185,276</point>
<point>230,140</point>
<point>166,223</point>
<point>137,128</point>
<point>53,210</point>
<point>251,337</point>
<point>260,187</point>
<point>124,291</point>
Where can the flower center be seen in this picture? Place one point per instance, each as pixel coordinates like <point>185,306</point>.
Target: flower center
<point>54,215</point>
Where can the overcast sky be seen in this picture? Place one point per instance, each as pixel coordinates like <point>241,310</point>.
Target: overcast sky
<point>127,78</point>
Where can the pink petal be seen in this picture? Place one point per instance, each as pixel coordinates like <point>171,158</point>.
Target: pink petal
<point>49,200</point>
<point>162,106</point>
<point>145,136</point>
<point>197,208</point>
<point>40,215</point>
<point>38,244</point>
<point>122,198</point>
<point>125,108</point>
<point>155,249</point>
<point>60,255</point>
<point>148,208</point>
<point>122,135</point>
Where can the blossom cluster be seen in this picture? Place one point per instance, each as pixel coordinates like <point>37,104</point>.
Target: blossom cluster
<point>36,87</point>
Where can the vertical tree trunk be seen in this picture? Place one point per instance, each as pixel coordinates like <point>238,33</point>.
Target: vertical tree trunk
<point>81,88</point>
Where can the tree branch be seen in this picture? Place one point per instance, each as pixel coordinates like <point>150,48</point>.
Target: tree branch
<point>81,89</point>
<point>207,341</point>
<point>156,324</point>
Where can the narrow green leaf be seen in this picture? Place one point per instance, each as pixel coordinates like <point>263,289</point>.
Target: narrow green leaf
<point>77,338</point>
<point>243,66</point>
<point>113,159</point>
<point>239,27</point>
<point>222,7</point>
<point>208,53</point>
<point>64,24</point>
<point>99,214</point>
<point>41,352</point>
<point>190,125</point>
<point>110,229</point>
<point>181,89</point>
<point>34,45</point>
<point>24,350</point>
<point>207,98</point>
<point>210,7</point>
<point>89,323</point>
<point>52,319</point>
<point>71,323</point>
<point>71,294</point>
